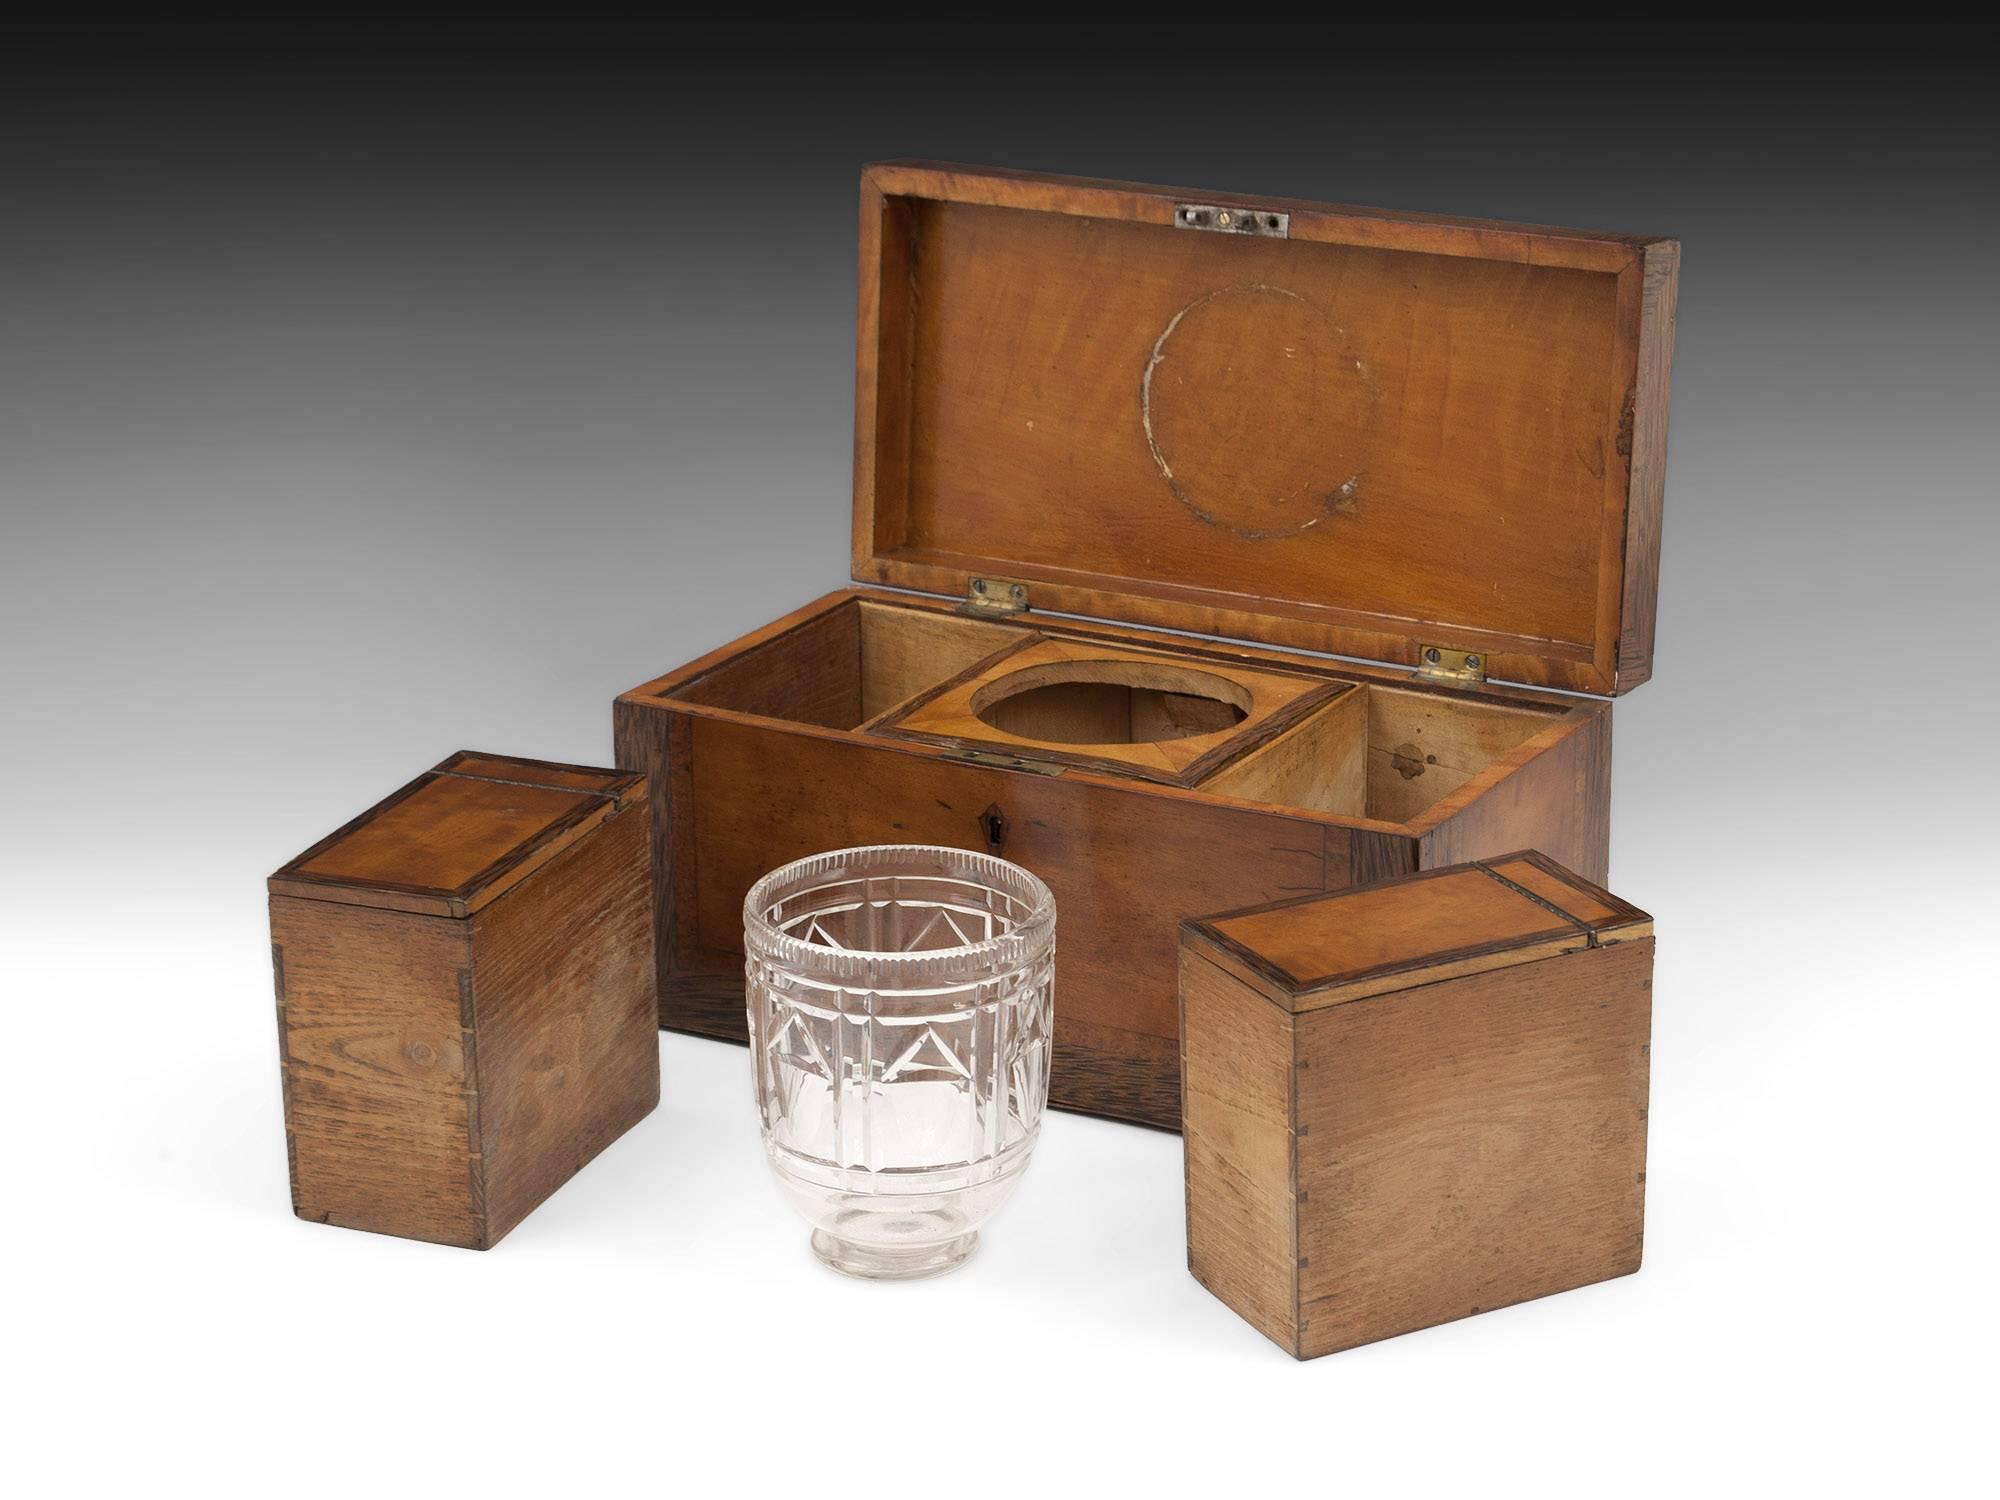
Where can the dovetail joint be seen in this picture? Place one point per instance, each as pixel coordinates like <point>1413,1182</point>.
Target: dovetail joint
<point>284,1029</point>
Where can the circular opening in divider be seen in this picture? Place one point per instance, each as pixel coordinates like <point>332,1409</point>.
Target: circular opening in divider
<point>1111,703</point>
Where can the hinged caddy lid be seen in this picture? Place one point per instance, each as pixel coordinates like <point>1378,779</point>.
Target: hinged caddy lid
<point>1298,423</point>
<point>1314,951</point>
<point>459,835</point>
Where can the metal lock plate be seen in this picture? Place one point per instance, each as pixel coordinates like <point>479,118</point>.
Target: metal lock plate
<point>1267,222</point>
<point>994,596</point>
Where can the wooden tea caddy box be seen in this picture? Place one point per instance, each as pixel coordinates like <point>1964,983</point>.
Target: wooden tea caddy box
<point>1415,1101</point>
<point>466,1012</point>
<point>1085,408</point>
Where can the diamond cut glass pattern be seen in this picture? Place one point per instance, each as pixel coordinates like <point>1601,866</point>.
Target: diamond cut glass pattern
<point>900,1001</point>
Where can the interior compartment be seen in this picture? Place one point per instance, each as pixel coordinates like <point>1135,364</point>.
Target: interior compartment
<point>1137,709</point>
<point>849,665</point>
<point>1318,763</point>
<point>1381,752</point>
<point>1111,703</point>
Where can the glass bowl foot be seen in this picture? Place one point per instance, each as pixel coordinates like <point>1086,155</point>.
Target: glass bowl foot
<point>893,1263</point>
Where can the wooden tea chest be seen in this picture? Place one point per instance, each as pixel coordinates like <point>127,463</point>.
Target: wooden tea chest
<point>1128,460</point>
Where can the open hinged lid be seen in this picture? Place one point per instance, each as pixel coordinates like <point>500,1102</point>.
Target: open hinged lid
<point>1308,425</point>
<point>459,835</point>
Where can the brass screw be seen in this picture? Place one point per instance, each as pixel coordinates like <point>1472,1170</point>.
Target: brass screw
<point>1223,219</point>
<point>1432,656</point>
<point>1472,661</point>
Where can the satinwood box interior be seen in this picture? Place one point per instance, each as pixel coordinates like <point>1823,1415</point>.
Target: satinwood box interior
<point>1415,1101</point>
<point>466,1012</point>
<point>1128,462</point>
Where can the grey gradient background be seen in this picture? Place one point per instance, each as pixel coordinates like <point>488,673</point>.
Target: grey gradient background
<point>367,397</point>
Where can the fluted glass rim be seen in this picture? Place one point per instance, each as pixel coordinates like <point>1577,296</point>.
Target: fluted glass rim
<point>1025,942</point>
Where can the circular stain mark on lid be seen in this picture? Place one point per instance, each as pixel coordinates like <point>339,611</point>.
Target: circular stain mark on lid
<point>1254,405</point>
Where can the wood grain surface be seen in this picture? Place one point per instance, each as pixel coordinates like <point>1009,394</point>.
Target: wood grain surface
<point>746,773</point>
<point>565,1020</point>
<point>1470,1145</point>
<point>378,1093</point>
<point>1319,763</point>
<point>1083,703</point>
<point>458,836</point>
<point>1320,945</point>
<point>1377,432</point>
<point>444,1075</point>
<point>1242,1183</point>
<point>1362,1162</point>
<point>1552,793</point>
<point>1308,952</point>
<point>1123,864</point>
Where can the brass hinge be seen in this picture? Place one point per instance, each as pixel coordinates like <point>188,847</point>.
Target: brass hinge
<point>1001,762</point>
<point>994,596</point>
<point>1442,664</point>
<point>1267,222</point>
